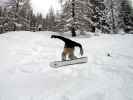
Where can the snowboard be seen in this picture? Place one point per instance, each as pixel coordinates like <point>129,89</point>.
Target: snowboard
<point>57,64</point>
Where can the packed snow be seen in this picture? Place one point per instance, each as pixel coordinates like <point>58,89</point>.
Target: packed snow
<point>25,73</point>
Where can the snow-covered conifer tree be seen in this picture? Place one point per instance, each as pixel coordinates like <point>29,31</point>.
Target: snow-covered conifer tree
<point>50,20</point>
<point>126,16</point>
<point>19,9</point>
<point>72,17</point>
<point>99,15</point>
<point>88,15</point>
<point>0,11</point>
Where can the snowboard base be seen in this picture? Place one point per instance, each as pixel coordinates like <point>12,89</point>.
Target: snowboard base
<point>56,64</point>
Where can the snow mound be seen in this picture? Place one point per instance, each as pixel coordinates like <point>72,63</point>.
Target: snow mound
<point>25,73</point>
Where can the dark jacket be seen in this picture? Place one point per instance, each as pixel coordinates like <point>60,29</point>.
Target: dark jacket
<point>69,43</point>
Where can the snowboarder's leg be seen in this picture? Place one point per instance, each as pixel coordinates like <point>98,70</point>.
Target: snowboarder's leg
<point>72,57</point>
<point>71,54</point>
<point>65,53</point>
<point>63,56</point>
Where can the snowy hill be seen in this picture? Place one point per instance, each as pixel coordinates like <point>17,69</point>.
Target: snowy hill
<point>25,73</point>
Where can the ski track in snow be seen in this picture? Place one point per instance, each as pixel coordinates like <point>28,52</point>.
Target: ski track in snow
<point>25,73</point>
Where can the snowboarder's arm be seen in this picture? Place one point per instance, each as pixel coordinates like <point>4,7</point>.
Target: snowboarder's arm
<point>81,49</point>
<point>59,37</point>
<point>69,43</point>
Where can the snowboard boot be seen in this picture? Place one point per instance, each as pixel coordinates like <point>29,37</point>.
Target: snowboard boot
<point>63,56</point>
<point>72,56</point>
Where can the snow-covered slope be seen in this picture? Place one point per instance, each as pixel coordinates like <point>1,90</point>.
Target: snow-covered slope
<point>25,73</point>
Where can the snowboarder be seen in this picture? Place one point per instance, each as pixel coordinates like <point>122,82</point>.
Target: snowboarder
<point>69,47</point>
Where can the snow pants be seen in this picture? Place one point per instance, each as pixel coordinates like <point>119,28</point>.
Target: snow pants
<point>68,52</point>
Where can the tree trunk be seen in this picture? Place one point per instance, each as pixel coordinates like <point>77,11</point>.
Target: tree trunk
<point>113,19</point>
<point>73,16</point>
<point>73,32</point>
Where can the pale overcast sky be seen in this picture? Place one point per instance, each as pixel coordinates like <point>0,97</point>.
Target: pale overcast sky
<point>43,6</point>
<point>2,2</point>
